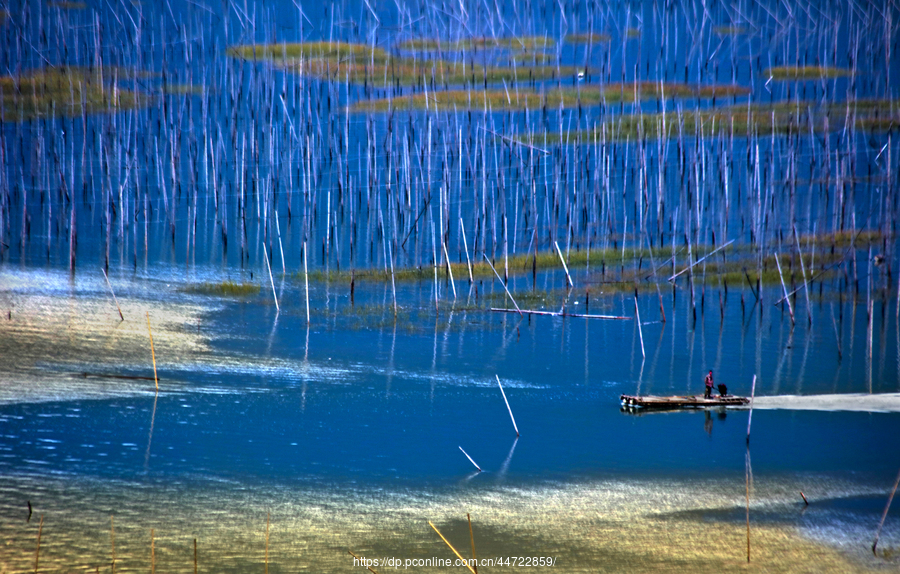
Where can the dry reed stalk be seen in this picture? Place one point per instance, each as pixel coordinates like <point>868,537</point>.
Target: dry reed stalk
<point>152,352</point>
<point>447,542</point>
<point>37,551</point>
<point>472,540</point>
<point>507,407</point>
<point>113,294</point>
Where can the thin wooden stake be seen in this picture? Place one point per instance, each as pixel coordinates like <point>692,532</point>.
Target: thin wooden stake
<point>466,246</point>
<point>37,551</point>
<point>750,416</point>
<point>267,543</point>
<point>707,256</point>
<point>447,542</point>
<point>116,301</point>
<point>306,282</point>
<point>637,318</point>
<point>783,288</point>
<point>883,515</point>
<point>565,267</point>
<point>271,279</point>
<point>195,558</point>
<point>152,352</point>
<point>507,407</point>
<point>449,269</point>
<point>508,294</point>
<point>470,459</point>
<point>152,553</point>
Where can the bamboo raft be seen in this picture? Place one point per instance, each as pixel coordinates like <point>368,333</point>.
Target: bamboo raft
<point>681,402</point>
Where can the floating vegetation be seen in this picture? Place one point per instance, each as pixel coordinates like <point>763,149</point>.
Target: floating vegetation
<point>361,64</point>
<point>589,38</point>
<point>555,98</point>
<point>294,52</point>
<point>63,92</point>
<point>782,118</point>
<point>224,288</point>
<point>806,72</point>
<point>182,89</point>
<point>513,43</point>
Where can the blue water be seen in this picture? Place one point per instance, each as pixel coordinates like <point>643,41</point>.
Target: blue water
<point>255,400</point>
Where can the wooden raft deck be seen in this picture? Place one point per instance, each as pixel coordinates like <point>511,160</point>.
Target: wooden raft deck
<point>681,402</point>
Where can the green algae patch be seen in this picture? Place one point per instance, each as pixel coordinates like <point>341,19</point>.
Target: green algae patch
<point>224,289</point>
<point>507,99</point>
<point>588,38</point>
<point>806,72</point>
<point>362,64</point>
<point>293,52</point>
<point>64,92</point>
<point>470,44</point>
<point>760,119</point>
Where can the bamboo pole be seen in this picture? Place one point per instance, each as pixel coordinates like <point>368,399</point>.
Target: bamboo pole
<point>507,407</point>
<point>637,318</point>
<point>565,267</point>
<point>152,352</point>
<point>113,294</point>
<point>750,416</point>
<point>449,269</point>
<point>466,246</point>
<point>271,279</point>
<point>560,314</point>
<point>447,542</point>
<point>502,283</point>
<point>306,281</point>
<point>880,524</point>
<point>708,255</point>
<point>470,459</point>
<point>783,288</point>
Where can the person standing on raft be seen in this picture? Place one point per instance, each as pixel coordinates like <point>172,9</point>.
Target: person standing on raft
<point>709,386</point>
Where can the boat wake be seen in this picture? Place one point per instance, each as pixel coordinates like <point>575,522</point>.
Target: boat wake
<point>879,403</point>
